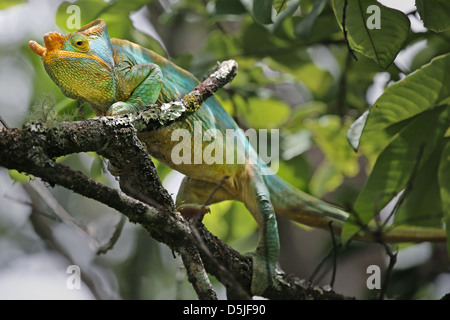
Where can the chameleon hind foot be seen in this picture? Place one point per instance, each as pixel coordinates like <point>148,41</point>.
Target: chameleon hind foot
<point>192,210</point>
<point>263,272</point>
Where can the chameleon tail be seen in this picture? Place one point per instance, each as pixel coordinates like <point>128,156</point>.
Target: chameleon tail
<point>298,206</point>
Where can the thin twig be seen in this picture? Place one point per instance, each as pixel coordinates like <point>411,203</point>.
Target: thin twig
<point>3,122</point>
<point>344,28</point>
<point>115,236</point>
<point>217,187</point>
<point>392,262</point>
<point>333,274</point>
<point>40,195</point>
<point>342,92</point>
<point>319,266</point>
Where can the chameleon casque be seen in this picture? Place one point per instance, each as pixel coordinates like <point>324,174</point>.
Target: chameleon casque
<point>116,77</point>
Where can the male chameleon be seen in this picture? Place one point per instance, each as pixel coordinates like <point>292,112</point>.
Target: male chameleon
<point>117,77</point>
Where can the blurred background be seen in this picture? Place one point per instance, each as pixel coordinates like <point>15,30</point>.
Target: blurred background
<point>304,84</point>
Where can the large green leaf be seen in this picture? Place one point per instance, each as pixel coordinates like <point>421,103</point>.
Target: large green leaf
<point>262,11</point>
<point>422,205</point>
<point>380,42</point>
<point>435,14</point>
<point>422,90</point>
<point>402,161</point>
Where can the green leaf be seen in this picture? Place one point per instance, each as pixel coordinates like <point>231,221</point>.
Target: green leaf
<point>19,177</point>
<point>374,30</point>
<point>356,129</point>
<point>340,161</point>
<point>317,80</point>
<point>422,205</point>
<point>420,91</point>
<point>262,11</point>
<point>296,171</point>
<point>230,221</point>
<point>265,113</point>
<point>229,7</point>
<point>434,14</point>
<point>304,28</point>
<point>410,149</point>
<point>326,178</point>
<point>296,121</point>
<point>329,134</point>
<point>280,5</point>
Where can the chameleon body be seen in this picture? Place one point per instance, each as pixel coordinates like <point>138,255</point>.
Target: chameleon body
<point>116,76</point>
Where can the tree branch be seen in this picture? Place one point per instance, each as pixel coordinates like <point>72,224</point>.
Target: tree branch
<point>142,197</point>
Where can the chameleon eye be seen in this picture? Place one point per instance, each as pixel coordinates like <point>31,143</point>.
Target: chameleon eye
<point>80,42</point>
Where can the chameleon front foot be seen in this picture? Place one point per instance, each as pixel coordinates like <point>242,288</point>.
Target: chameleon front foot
<point>120,107</point>
<point>263,272</point>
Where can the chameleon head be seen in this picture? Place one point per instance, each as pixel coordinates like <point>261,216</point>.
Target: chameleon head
<point>80,63</point>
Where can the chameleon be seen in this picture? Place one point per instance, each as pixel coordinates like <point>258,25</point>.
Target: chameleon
<point>117,77</point>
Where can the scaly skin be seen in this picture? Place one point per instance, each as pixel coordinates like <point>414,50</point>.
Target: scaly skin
<point>116,77</point>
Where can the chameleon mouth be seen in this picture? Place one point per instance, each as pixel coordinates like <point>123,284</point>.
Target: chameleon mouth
<point>52,41</point>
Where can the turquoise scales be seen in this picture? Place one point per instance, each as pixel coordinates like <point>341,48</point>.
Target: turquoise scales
<point>116,76</point>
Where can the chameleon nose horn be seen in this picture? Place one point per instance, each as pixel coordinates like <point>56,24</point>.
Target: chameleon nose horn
<point>52,41</point>
<point>36,47</point>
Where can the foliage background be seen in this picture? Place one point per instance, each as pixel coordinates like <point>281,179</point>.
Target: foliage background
<point>295,74</point>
